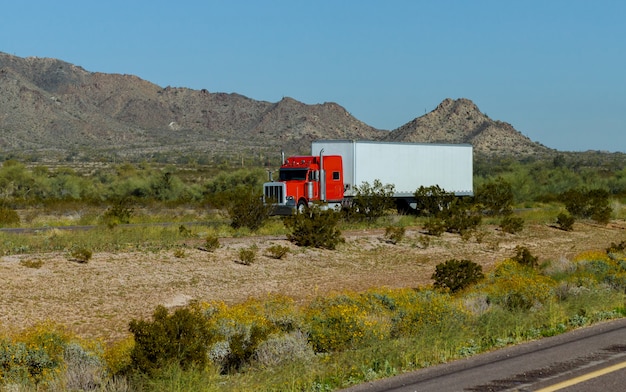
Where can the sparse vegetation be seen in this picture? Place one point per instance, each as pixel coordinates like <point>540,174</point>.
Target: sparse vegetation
<point>261,344</point>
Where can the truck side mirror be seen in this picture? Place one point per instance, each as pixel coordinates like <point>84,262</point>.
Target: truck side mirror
<point>316,175</point>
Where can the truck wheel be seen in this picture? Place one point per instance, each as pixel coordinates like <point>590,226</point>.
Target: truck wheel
<point>302,204</point>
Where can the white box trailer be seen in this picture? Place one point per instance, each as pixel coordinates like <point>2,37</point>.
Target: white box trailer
<point>405,165</point>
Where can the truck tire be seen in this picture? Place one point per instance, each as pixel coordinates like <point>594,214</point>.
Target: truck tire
<point>302,204</point>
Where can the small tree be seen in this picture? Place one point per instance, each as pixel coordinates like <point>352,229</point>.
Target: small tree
<point>456,275</point>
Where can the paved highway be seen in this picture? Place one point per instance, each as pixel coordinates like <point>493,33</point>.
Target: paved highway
<point>588,359</point>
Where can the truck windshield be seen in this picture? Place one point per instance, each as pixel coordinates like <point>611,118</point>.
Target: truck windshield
<point>292,174</point>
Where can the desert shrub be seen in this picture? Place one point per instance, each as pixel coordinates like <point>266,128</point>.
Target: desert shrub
<point>455,275</point>
<point>238,331</point>
<point>277,251</point>
<point>344,322</point>
<point>181,338</point>
<point>247,256</point>
<point>432,201</point>
<point>8,216</point>
<point>425,311</point>
<point>80,254</point>
<point>459,218</point>
<point>517,287</point>
<point>315,227</point>
<point>119,212</point>
<point>512,224</point>
<point>370,202</point>
<point>84,370</point>
<point>180,253</point>
<point>496,197</point>
<point>525,258</point>
<point>602,267</point>
<point>28,263</point>
<point>211,243</point>
<point>617,251</point>
<point>565,221</point>
<point>435,226</point>
<point>248,210</point>
<point>394,234</point>
<point>118,356</point>
<point>35,357</point>
<point>284,347</point>
<point>588,204</point>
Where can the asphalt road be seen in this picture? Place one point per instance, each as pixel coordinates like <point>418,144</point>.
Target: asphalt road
<point>580,358</point>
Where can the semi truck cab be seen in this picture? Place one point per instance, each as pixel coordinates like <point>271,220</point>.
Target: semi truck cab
<point>305,179</point>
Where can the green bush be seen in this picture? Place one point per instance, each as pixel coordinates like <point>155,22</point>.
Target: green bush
<point>455,275</point>
<point>512,224</point>
<point>247,256</point>
<point>119,212</point>
<point>496,197</point>
<point>315,227</point>
<point>525,258</point>
<point>565,221</point>
<point>211,243</point>
<point>588,204</point>
<point>370,202</point>
<point>248,210</point>
<point>80,254</point>
<point>432,201</point>
<point>277,251</point>
<point>181,338</point>
<point>394,234</point>
<point>459,218</point>
<point>435,226</point>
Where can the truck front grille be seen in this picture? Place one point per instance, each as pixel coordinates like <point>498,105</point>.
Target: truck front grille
<point>274,192</point>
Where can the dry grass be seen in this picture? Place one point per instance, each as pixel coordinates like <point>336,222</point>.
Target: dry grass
<point>97,299</point>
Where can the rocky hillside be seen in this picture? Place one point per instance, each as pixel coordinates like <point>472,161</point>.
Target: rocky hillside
<point>460,121</point>
<point>50,109</point>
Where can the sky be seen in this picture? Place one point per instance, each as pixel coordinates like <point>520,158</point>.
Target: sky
<point>554,69</point>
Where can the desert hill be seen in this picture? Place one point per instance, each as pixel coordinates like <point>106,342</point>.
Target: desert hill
<point>51,109</point>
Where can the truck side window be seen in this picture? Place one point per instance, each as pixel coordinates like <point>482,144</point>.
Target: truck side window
<point>335,175</point>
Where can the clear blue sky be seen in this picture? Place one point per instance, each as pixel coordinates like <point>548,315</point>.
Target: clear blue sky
<point>555,70</point>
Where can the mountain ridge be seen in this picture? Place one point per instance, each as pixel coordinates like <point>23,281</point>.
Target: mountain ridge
<point>51,108</point>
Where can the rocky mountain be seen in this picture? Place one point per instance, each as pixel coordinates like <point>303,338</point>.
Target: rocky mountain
<point>460,121</point>
<point>54,110</point>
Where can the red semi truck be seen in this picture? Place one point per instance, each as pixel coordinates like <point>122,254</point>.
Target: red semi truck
<point>335,169</point>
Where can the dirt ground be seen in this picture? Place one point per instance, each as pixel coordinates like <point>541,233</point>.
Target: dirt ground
<point>97,299</point>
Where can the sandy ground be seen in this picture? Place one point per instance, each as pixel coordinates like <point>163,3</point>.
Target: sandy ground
<point>97,299</point>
